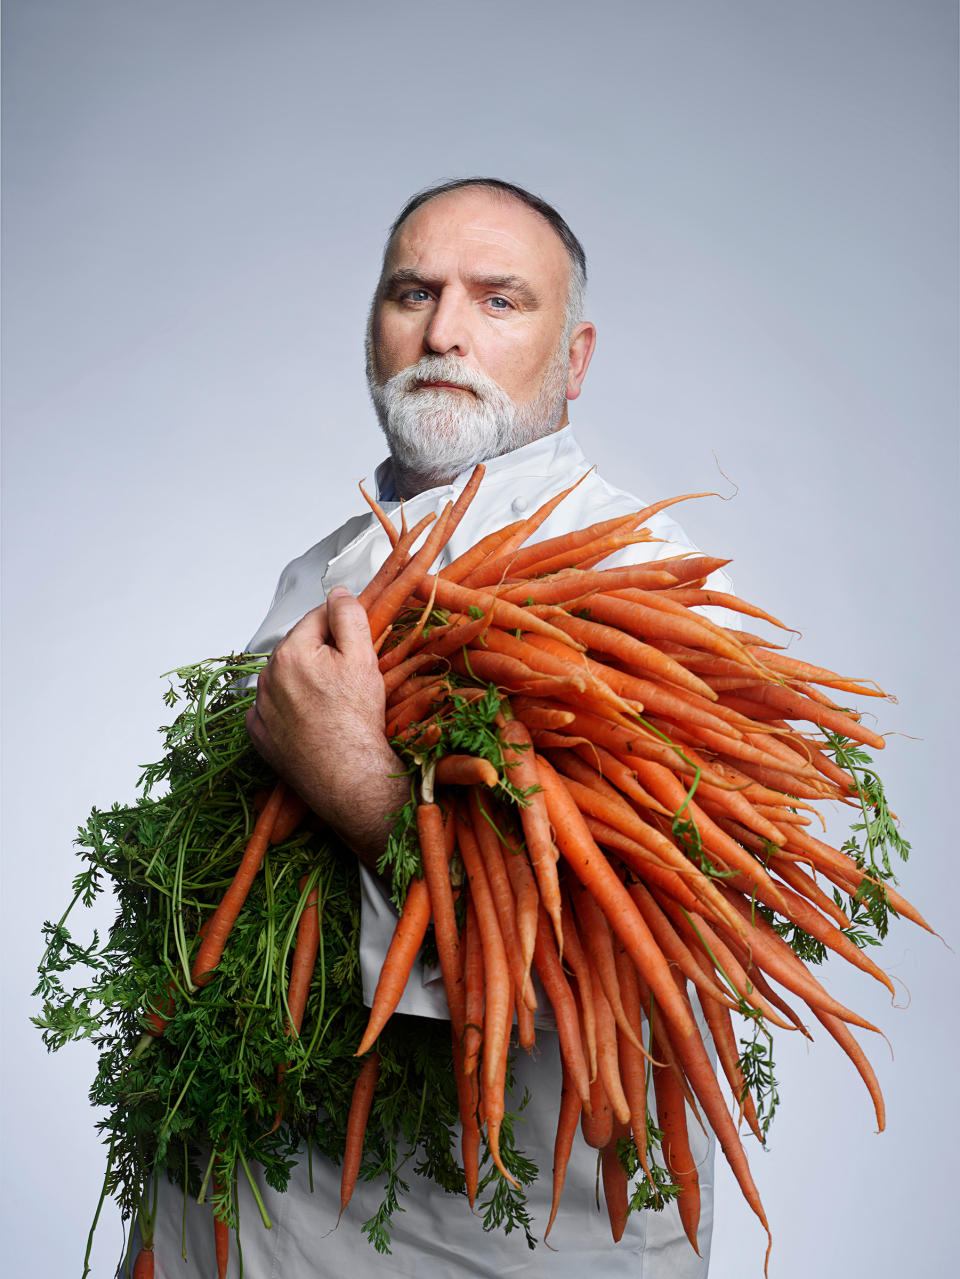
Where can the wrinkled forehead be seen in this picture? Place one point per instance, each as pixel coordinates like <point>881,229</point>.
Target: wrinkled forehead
<point>479,229</point>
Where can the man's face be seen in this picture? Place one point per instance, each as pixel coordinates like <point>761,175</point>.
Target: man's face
<point>468,354</point>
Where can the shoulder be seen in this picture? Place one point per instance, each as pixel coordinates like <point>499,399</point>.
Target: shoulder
<point>300,587</point>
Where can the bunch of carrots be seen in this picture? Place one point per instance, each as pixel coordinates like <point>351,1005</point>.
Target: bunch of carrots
<point>644,830</point>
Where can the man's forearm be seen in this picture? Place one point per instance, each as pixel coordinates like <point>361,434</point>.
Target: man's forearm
<point>359,795</point>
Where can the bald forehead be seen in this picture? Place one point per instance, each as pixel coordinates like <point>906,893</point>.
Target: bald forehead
<point>487,225</point>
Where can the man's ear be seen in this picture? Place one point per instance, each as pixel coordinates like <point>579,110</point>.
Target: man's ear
<point>583,339</point>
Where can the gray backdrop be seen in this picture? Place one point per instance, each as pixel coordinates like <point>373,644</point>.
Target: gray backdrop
<point>196,194</point>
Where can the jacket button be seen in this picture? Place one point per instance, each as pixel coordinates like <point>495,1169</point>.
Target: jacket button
<point>518,504</point>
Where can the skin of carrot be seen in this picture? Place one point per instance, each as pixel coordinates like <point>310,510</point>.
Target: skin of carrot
<point>500,887</point>
<point>385,521</point>
<point>574,557</point>
<point>642,862</point>
<point>533,657</point>
<point>725,1041</point>
<point>304,959</point>
<point>144,1266</point>
<point>433,852</point>
<point>633,1068</point>
<point>383,608</point>
<point>555,984</point>
<point>395,562</point>
<point>473,987</point>
<point>608,1063</point>
<point>221,1238</point>
<point>509,616</point>
<point>465,770</point>
<point>697,933</point>
<point>535,716</point>
<point>772,954</point>
<point>416,707</point>
<point>413,684</point>
<point>674,947</point>
<point>567,1119</point>
<point>572,586</point>
<point>626,648</point>
<point>845,1039</point>
<point>702,1076</point>
<point>223,918</point>
<point>595,873</point>
<point>497,992</point>
<point>672,1121</point>
<point>517,534</point>
<point>671,793</point>
<point>516,562</point>
<point>398,962</point>
<point>507,672</point>
<point>403,652</point>
<point>460,568</point>
<point>576,959</point>
<point>521,764</point>
<point>467,1097</point>
<point>615,1186</point>
<point>597,1125</point>
<point>596,936</point>
<point>360,1104</point>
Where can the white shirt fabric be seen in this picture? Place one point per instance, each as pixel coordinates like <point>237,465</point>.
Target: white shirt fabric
<point>436,1237</point>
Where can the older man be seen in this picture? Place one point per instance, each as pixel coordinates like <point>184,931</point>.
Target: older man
<point>476,343</point>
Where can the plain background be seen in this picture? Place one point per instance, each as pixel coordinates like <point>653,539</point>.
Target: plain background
<point>196,195</point>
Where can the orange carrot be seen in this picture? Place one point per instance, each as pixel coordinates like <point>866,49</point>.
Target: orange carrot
<point>360,1104</point>
<point>395,562</point>
<point>569,1114</point>
<point>576,960</point>
<point>845,1039</point>
<point>223,918</point>
<point>467,1097</point>
<point>596,1123</point>
<point>598,942</point>
<point>615,1185</point>
<point>465,770</point>
<point>433,851</point>
<point>498,993</point>
<point>385,521</point>
<point>672,1121</point>
<point>399,960</point>
<point>521,765</point>
<point>555,984</point>
<point>473,991</point>
<point>144,1266</point>
<point>608,1064</point>
<point>594,871</point>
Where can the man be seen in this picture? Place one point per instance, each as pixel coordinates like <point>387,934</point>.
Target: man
<point>476,343</point>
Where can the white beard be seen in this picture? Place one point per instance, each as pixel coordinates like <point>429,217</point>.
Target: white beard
<point>436,433</point>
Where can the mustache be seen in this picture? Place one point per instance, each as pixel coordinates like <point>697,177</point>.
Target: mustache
<point>444,368</point>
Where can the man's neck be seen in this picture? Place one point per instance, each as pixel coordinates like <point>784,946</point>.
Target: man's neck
<point>409,481</point>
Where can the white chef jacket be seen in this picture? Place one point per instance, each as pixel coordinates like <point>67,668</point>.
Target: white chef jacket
<point>436,1237</point>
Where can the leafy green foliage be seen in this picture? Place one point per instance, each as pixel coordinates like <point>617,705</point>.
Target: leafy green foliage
<point>870,844</point>
<point>210,1082</point>
<point>653,1193</point>
<point>758,1068</point>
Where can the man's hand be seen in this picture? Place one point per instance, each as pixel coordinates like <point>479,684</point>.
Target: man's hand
<point>318,721</point>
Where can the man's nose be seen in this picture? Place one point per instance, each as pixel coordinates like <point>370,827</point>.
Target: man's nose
<point>448,332</point>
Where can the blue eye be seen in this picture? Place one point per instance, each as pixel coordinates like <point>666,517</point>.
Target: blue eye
<point>499,304</point>
<point>416,295</point>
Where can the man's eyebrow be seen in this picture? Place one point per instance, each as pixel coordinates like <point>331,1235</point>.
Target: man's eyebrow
<point>514,284</point>
<point>404,277</point>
